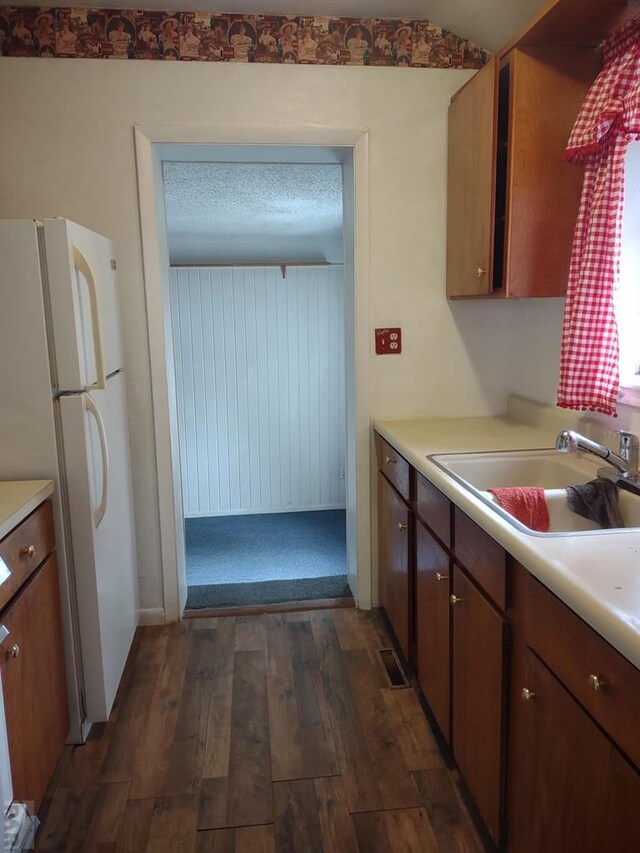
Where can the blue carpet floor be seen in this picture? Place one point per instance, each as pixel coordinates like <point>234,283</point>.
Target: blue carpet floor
<point>271,547</point>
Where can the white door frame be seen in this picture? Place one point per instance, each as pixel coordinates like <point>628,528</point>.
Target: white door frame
<point>156,282</point>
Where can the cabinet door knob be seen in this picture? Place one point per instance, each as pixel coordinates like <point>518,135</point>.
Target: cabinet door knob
<point>480,272</point>
<point>402,526</point>
<point>454,599</point>
<point>14,651</point>
<point>527,695</point>
<point>440,577</point>
<point>28,551</point>
<point>390,460</point>
<point>595,683</point>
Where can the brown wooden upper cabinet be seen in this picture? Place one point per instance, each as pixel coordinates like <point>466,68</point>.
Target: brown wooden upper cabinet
<point>512,198</point>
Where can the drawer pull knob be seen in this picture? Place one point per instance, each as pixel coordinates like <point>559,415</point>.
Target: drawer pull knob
<point>14,651</point>
<point>28,551</point>
<point>390,460</point>
<point>454,599</point>
<point>480,272</point>
<point>441,577</point>
<point>527,695</point>
<point>402,526</point>
<point>595,683</point>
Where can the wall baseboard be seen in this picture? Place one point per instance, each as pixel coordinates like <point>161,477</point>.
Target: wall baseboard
<point>151,616</point>
<point>264,511</point>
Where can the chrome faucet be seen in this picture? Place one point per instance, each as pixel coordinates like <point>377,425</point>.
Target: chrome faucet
<point>625,461</point>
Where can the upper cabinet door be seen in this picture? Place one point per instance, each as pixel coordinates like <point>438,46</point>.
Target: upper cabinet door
<point>512,197</point>
<point>472,129</point>
<point>548,85</point>
<point>83,289</point>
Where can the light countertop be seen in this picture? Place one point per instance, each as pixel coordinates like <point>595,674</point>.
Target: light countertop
<point>18,498</point>
<point>597,575</point>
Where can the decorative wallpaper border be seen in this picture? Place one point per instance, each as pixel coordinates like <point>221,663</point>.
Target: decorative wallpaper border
<point>203,36</point>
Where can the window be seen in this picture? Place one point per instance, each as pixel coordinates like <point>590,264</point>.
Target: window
<point>628,301</point>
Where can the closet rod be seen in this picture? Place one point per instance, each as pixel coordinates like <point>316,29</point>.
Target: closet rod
<point>255,264</point>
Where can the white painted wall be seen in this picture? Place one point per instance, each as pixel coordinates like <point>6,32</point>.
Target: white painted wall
<point>67,149</point>
<point>260,385</point>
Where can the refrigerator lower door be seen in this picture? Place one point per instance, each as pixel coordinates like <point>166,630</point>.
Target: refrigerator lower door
<point>96,452</point>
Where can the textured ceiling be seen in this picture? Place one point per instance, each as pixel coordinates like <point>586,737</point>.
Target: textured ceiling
<point>489,23</point>
<point>260,212</point>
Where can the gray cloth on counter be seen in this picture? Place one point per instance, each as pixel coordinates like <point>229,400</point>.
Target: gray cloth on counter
<point>596,500</point>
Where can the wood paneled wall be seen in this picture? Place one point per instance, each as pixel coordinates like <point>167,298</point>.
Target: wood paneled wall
<point>260,386</point>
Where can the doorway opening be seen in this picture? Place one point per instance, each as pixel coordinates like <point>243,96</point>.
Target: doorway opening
<point>256,241</point>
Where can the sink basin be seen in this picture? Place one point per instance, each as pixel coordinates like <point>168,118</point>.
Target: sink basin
<point>547,469</point>
<point>563,520</point>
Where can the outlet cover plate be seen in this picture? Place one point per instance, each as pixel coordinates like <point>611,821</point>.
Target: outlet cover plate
<point>388,341</point>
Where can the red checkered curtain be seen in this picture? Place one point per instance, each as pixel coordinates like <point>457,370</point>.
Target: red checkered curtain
<point>608,120</point>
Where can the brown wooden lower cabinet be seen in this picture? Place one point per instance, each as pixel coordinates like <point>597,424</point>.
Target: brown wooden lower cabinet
<point>562,776</point>
<point>573,789</point>
<point>394,532</point>
<point>478,698</point>
<point>432,625</point>
<point>34,685</point>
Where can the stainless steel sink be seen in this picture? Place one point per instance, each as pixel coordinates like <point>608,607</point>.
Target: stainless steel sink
<point>548,469</point>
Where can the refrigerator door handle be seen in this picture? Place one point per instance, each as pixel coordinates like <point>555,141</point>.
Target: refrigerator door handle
<point>82,264</point>
<point>99,511</point>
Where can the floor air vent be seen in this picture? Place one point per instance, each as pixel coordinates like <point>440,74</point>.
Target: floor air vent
<point>391,666</point>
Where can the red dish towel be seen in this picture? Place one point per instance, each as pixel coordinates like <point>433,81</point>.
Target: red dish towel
<point>526,503</point>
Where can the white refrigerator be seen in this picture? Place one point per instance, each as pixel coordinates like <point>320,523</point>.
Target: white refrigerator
<point>63,416</point>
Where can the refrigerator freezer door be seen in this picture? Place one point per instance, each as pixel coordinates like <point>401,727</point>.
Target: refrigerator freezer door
<point>83,293</point>
<point>101,509</point>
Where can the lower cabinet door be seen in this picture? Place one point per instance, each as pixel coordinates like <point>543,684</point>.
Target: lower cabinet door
<point>394,520</point>
<point>432,625</point>
<point>34,684</point>
<point>478,697</point>
<point>573,789</point>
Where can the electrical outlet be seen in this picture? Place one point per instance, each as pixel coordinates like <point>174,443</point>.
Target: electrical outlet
<point>388,341</point>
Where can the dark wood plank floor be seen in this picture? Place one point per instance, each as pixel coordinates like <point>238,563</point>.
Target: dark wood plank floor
<point>259,733</point>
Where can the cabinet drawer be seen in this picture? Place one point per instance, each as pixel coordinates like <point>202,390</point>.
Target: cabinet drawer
<point>434,509</point>
<point>393,466</point>
<point>481,556</point>
<point>25,548</point>
<point>578,656</point>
